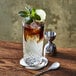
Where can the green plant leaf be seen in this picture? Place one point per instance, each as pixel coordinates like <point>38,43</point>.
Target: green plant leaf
<point>23,13</point>
<point>33,12</point>
<point>37,17</point>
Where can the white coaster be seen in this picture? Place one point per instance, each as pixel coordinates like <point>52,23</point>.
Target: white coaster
<point>39,66</point>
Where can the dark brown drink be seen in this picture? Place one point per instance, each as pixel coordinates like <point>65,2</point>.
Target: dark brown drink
<point>33,31</point>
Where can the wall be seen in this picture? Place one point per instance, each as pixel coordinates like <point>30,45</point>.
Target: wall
<point>61,16</point>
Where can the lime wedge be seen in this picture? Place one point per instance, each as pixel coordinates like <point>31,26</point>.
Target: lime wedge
<point>41,13</point>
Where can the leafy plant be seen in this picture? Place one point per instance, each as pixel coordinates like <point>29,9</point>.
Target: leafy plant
<point>29,15</point>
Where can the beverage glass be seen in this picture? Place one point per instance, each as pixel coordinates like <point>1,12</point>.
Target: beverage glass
<point>33,42</point>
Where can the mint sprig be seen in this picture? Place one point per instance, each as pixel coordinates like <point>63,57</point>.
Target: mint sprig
<point>23,13</point>
<point>29,15</point>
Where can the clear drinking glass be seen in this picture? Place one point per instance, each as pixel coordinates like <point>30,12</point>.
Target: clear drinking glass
<point>33,42</point>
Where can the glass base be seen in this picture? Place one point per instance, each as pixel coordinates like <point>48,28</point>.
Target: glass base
<point>33,61</point>
<point>42,64</point>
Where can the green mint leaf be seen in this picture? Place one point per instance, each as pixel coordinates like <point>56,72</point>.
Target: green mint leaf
<point>33,12</point>
<point>23,13</point>
<point>37,17</point>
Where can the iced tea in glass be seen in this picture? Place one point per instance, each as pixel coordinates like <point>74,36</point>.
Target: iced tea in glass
<point>33,40</point>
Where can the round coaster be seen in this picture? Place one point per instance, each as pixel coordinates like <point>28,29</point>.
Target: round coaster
<point>39,66</point>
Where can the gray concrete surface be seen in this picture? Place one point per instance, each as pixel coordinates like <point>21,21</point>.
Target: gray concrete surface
<point>61,18</point>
